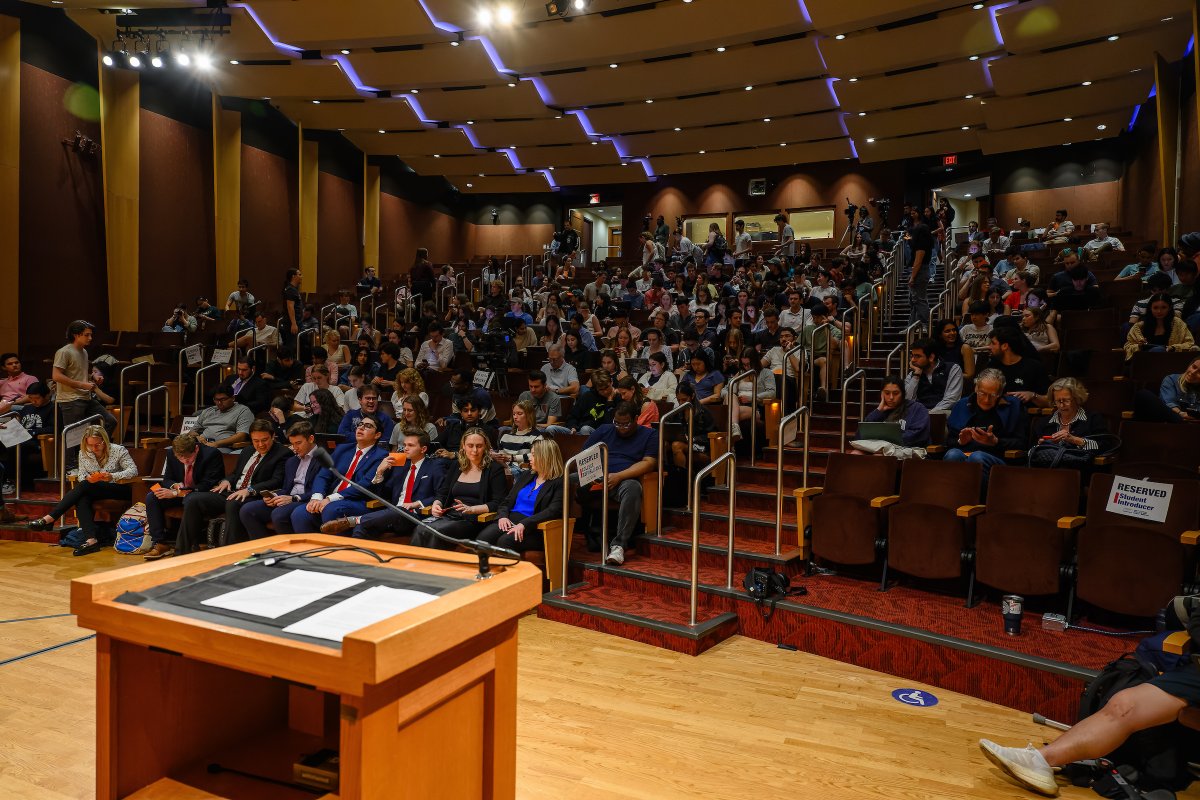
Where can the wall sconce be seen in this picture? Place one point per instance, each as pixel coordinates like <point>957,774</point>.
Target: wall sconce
<point>84,145</point>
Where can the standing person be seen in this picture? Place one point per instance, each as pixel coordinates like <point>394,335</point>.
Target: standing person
<point>786,251</point>
<point>662,235</point>
<point>743,244</point>
<point>421,275</point>
<point>293,305</point>
<point>920,241</point>
<point>76,391</point>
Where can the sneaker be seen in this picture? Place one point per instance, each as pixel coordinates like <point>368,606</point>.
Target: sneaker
<point>616,555</point>
<point>160,550</point>
<point>1025,765</point>
<point>9,488</point>
<point>339,525</point>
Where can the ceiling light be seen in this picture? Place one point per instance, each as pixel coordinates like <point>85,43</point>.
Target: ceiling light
<point>345,52</point>
<point>1067,119</point>
<point>233,61</point>
<point>612,66</point>
<point>559,116</point>
<point>512,86</point>
<point>840,36</point>
<point>414,91</point>
<point>1166,19</point>
<point>470,122</point>
<point>595,143</point>
<point>1114,37</point>
<point>551,169</point>
<point>484,18</point>
<point>687,1</point>
<point>766,119</point>
<point>701,152</point>
<point>968,194</point>
<point>381,130</point>
<point>970,96</point>
<point>436,155</point>
<point>203,62</point>
<point>862,113</point>
<point>1086,83</point>
<point>506,15</point>
<point>316,102</point>
<point>973,58</point>
<point>977,6</point>
<point>748,88</point>
<point>783,144</point>
<point>966,127</point>
<point>481,174</point>
<point>678,129</point>
<point>854,80</point>
<point>156,62</point>
<point>107,59</point>
<point>470,186</point>
<point>454,43</point>
<point>871,141</point>
<point>182,59</point>
<point>720,49</point>
<point>1101,127</point>
<point>579,5</point>
<point>649,101</point>
<point>135,62</point>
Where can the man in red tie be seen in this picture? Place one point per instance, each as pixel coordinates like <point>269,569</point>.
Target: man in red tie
<point>411,486</point>
<point>332,497</point>
<point>259,469</point>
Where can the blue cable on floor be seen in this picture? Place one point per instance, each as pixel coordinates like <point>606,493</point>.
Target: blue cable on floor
<point>30,619</point>
<point>46,650</point>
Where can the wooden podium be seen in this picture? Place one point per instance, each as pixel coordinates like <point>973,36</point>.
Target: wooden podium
<point>421,705</point>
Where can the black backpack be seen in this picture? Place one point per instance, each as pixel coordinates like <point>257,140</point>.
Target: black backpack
<point>767,587</point>
<point>719,246</point>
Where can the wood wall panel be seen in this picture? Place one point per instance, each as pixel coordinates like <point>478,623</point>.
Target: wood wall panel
<point>270,230</point>
<point>1086,204</point>
<point>339,239</point>
<point>509,239</point>
<point>176,218</point>
<point>10,178</point>
<point>120,111</point>
<point>62,218</point>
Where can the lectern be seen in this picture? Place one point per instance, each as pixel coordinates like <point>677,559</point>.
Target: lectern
<point>419,705</point>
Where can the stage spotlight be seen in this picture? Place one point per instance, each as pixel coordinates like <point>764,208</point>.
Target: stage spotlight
<point>203,62</point>
<point>556,8</point>
<point>156,61</point>
<point>579,5</point>
<point>135,61</point>
<point>484,18</point>
<point>505,15</point>
<point>108,59</point>
<point>182,59</point>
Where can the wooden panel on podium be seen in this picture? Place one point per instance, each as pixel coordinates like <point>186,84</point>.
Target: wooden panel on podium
<point>419,705</point>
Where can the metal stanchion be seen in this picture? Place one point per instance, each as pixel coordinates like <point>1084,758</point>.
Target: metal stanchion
<point>566,518</point>
<point>137,432</point>
<point>862,401</point>
<point>121,395</point>
<point>802,411</point>
<point>662,426</point>
<point>696,527</point>
<point>61,448</point>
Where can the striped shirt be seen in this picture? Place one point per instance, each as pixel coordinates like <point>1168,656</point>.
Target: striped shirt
<point>518,445</point>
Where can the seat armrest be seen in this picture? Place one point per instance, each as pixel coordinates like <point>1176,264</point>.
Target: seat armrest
<point>1103,461</point>
<point>936,448</point>
<point>1178,643</point>
<point>1070,523</point>
<point>488,517</point>
<point>811,491</point>
<point>548,525</point>
<point>1014,454</point>
<point>885,501</point>
<point>374,504</point>
<point>1190,537</point>
<point>970,511</point>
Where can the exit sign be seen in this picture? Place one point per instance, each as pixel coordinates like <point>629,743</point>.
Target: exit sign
<point>594,199</point>
<point>949,161</point>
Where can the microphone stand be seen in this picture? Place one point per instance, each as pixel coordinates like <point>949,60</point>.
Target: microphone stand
<point>481,549</point>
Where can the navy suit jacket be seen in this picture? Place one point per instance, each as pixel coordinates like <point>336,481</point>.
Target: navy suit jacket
<point>207,472</point>
<point>289,476</point>
<point>343,454</point>
<point>268,475</point>
<point>346,427</point>
<point>425,487</point>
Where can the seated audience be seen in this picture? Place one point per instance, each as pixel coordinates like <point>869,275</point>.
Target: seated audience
<point>824,348</point>
<point>299,474</point>
<point>933,382</point>
<point>304,403</point>
<point>36,416</point>
<point>474,484</point>
<point>707,382</point>
<point>262,333</point>
<point>894,406</point>
<point>516,441</point>
<point>1038,331</point>
<point>560,376</point>
<point>283,372</point>
<point>1178,398</point>
<point>628,390</point>
<point>368,406</point>
<point>659,381</point>
<point>1142,268</point>
<point>241,300</point>
<point>247,388</point>
<point>982,426</point>
<point>978,332</point>
<point>1025,376</point>
<point>180,321</point>
<point>1159,330</point>
<point>14,385</point>
<point>188,468</point>
<point>332,497</point>
<point>1102,242</point>
<point>437,352</point>
<point>546,404</point>
<point>413,416</point>
<point>536,496</point>
<point>1070,424</point>
<point>591,409</point>
<point>469,417</point>
<point>225,424</point>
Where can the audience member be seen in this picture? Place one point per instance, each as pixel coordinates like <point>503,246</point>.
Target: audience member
<point>284,371</point>
<point>180,321</point>
<point>894,406</point>
<point>241,300</point>
<point>225,424</point>
<point>982,426</point>
<point>560,376</point>
<point>1025,377</point>
<point>247,388</point>
<point>536,496</point>
<point>37,417</point>
<point>333,497</point>
<point>414,415</point>
<point>590,410</point>
<point>934,383</point>
<point>75,393</point>
<point>188,468</point>
<point>437,352</point>
<point>473,485</point>
<point>1159,330</point>
<point>14,386</point>
<point>516,441</point>
<point>368,406</point>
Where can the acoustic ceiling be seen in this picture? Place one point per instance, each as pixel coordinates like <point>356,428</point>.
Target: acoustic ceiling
<point>620,91</point>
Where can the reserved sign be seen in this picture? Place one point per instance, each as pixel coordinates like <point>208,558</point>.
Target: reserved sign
<point>1140,499</point>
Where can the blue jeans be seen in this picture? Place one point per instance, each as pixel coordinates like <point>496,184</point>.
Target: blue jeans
<point>978,457</point>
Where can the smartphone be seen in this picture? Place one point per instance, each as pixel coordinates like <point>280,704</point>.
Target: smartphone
<point>266,494</point>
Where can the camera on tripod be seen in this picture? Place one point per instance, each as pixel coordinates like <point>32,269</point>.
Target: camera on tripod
<point>850,210</point>
<point>882,205</point>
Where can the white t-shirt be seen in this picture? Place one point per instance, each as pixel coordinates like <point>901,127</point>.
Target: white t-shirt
<point>742,244</point>
<point>974,337</point>
<point>789,233</point>
<point>305,394</point>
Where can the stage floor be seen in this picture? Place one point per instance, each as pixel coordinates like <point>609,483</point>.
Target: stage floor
<point>599,716</point>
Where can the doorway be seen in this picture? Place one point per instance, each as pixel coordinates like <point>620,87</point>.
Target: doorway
<point>599,232</point>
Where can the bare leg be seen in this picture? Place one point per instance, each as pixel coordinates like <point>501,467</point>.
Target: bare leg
<point>1129,711</point>
<point>679,454</point>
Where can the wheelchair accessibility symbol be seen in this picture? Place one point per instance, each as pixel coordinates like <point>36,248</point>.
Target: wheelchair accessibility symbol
<point>915,697</point>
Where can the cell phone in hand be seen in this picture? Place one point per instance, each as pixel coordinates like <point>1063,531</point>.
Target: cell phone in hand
<point>266,494</point>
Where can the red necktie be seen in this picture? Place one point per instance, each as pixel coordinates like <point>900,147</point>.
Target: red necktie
<point>408,484</point>
<point>187,473</point>
<point>349,473</point>
<point>253,463</point>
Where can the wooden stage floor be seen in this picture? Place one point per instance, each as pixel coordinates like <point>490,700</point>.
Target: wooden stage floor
<point>599,716</point>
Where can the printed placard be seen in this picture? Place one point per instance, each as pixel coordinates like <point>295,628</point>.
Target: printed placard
<point>1146,500</point>
<point>590,465</point>
<point>188,425</point>
<point>484,378</point>
<point>194,355</point>
<point>221,356</point>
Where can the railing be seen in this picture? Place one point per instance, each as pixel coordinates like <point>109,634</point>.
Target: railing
<point>198,385</point>
<point>887,365</point>
<point>908,338</point>
<point>61,451</point>
<point>137,418</point>
<point>508,280</point>
<point>408,308</point>
<point>862,400</point>
<point>731,389</point>
<point>799,377</point>
<point>471,289</point>
<point>324,308</point>
<point>375,316</point>
<point>442,302</point>
<point>313,332</point>
<point>662,427</point>
<point>17,454</point>
<point>728,456</point>
<point>182,355</point>
<point>812,358</point>
<point>875,312</point>
<point>566,518</point>
<point>940,307</point>
<point>121,395</point>
<point>362,305</point>
<point>595,253</point>
<point>850,341</point>
<point>802,411</point>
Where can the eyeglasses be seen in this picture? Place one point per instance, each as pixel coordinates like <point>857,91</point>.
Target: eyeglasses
<point>624,425</point>
<point>992,395</point>
<point>368,425</point>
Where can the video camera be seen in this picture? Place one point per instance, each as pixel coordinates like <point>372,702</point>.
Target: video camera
<point>850,210</point>
<point>883,205</point>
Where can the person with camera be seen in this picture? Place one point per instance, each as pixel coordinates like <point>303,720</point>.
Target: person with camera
<point>180,321</point>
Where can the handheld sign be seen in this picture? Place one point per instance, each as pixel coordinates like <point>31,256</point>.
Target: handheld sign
<point>194,355</point>
<point>1140,499</point>
<point>590,465</point>
<point>484,378</point>
<point>188,424</point>
<point>221,356</point>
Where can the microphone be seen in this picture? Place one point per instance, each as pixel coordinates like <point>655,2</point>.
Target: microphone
<point>482,549</point>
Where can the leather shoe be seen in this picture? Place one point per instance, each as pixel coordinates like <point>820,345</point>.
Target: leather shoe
<point>40,524</point>
<point>7,517</point>
<point>160,550</point>
<point>87,549</point>
<point>338,525</point>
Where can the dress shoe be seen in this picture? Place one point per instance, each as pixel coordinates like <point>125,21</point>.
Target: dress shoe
<point>338,525</point>
<point>160,550</point>
<point>40,524</point>
<point>87,549</point>
<point>7,517</point>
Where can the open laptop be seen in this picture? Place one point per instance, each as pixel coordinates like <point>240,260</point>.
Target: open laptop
<point>884,431</point>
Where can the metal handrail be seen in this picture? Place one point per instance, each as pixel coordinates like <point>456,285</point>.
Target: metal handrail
<point>17,455</point>
<point>137,419</point>
<point>375,316</point>
<point>887,365</point>
<point>940,306</point>
<point>662,426</point>
<point>566,517</point>
<point>321,316</point>
<point>874,312</point>
<point>731,388</point>
<point>61,450</point>
<point>338,321</point>
<point>595,255</point>
<point>727,456</point>
<point>182,355</point>
<point>471,289</point>
<point>362,304</point>
<point>802,411</point>
<point>408,307</point>
<point>121,394</point>
<point>799,376</point>
<point>507,269</point>
<point>850,348</point>
<point>442,304</point>
<point>862,400</point>
<point>812,356</point>
<point>313,332</point>
<point>198,384</point>
<point>908,338</point>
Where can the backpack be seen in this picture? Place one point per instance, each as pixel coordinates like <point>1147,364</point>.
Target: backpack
<point>1127,671</point>
<point>767,587</point>
<point>719,246</point>
<point>132,536</point>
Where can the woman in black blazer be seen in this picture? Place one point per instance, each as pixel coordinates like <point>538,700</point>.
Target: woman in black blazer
<point>473,485</point>
<point>536,496</point>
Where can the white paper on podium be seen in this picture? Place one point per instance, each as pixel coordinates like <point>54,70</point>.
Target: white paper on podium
<point>278,596</point>
<point>363,609</point>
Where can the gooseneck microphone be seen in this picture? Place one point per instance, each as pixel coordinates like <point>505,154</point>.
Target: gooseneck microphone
<point>481,549</point>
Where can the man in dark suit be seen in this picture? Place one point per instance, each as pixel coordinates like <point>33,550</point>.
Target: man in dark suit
<point>189,468</point>
<point>411,486</point>
<point>259,469</point>
<point>299,474</point>
<point>368,400</point>
<point>247,388</point>
<point>333,498</point>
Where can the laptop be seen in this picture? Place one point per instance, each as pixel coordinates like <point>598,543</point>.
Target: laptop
<point>890,432</point>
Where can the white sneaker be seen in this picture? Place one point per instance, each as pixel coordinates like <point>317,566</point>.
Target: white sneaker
<point>616,555</point>
<point>1026,765</point>
<point>9,488</point>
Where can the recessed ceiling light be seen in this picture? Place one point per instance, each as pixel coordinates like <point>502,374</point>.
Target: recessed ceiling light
<point>871,141</point>
<point>454,44</point>
<point>973,58</point>
<point>595,143</point>
<point>968,194</point>
<point>1086,83</point>
<point>470,186</point>
<point>345,52</point>
<point>854,80</point>
<point>233,61</point>
<point>1101,127</point>
<point>678,129</point>
<point>414,91</point>
<point>512,85</point>
<point>783,144</point>
<point>436,155</point>
<point>766,119</point>
<point>559,116</point>
<point>1114,37</point>
<point>966,127</point>
<point>701,152</point>
<point>511,146</point>
<point>977,6</point>
<point>840,36</point>
<point>612,66</point>
<point>862,113</point>
<point>552,168</point>
<point>484,18</point>
<point>506,15</point>
<point>649,101</point>
<point>1067,119</point>
<point>687,1</point>
<point>1166,19</point>
<point>470,122</point>
<point>316,102</point>
<point>970,97</point>
<point>748,88</point>
<point>720,49</point>
<point>381,130</point>
<point>342,129</point>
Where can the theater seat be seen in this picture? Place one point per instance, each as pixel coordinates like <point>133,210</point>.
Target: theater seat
<point>848,513</point>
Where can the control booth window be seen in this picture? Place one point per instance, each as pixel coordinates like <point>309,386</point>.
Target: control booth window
<point>808,223</point>
<point>696,228</point>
